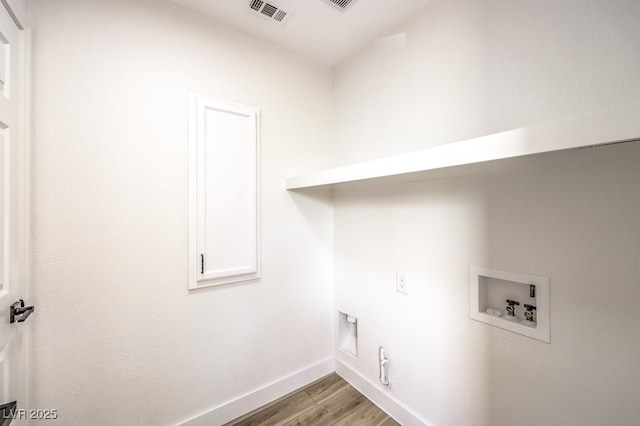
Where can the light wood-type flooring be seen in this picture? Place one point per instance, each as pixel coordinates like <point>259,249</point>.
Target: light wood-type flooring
<point>330,401</point>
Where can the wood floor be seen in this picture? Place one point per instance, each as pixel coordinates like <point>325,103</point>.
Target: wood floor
<point>329,401</point>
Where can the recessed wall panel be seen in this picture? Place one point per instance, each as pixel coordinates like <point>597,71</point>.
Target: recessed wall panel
<point>224,217</point>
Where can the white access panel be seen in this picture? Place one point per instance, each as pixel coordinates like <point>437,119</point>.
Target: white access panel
<point>224,192</point>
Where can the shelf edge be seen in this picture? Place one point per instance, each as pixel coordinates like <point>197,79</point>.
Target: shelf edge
<point>615,125</point>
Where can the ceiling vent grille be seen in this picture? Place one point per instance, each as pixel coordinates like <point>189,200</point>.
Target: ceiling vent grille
<point>270,11</point>
<point>340,4</point>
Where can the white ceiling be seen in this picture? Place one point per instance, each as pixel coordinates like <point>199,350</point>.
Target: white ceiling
<point>315,29</point>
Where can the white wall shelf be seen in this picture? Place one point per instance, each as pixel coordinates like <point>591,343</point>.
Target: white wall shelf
<point>616,125</point>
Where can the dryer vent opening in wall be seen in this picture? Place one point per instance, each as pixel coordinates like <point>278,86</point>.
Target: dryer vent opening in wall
<point>348,334</point>
<point>340,4</point>
<point>269,10</point>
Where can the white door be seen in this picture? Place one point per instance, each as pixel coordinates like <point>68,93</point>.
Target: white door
<point>12,208</point>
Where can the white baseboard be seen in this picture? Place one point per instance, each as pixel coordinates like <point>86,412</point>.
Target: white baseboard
<point>382,399</point>
<point>238,407</point>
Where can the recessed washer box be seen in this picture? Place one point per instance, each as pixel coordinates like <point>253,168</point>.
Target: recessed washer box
<point>510,300</point>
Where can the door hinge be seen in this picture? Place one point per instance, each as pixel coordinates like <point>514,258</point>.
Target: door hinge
<point>202,263</point>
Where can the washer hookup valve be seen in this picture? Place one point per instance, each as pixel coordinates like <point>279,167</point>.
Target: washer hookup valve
<point>511,310</point>
<point>528,314</point>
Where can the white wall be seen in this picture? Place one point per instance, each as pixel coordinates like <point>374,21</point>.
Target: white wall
<point>470,68</point>
<point>117,338</point>
<point>478,67</point>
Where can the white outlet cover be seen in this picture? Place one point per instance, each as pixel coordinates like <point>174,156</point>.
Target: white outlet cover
<point>402,282</point>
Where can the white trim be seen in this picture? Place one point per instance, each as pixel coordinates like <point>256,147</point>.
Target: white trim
<point>614,125</point>
<point>25,207</point>
<point>245,404</point>
<point>381,398</point>
<point>18,12</point>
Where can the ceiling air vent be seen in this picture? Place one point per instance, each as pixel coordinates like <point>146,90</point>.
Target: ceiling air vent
<point>340,4</point>
<point>270,11</point>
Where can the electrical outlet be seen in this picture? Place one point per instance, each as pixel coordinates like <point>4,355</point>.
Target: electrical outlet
<point>402,284</point>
